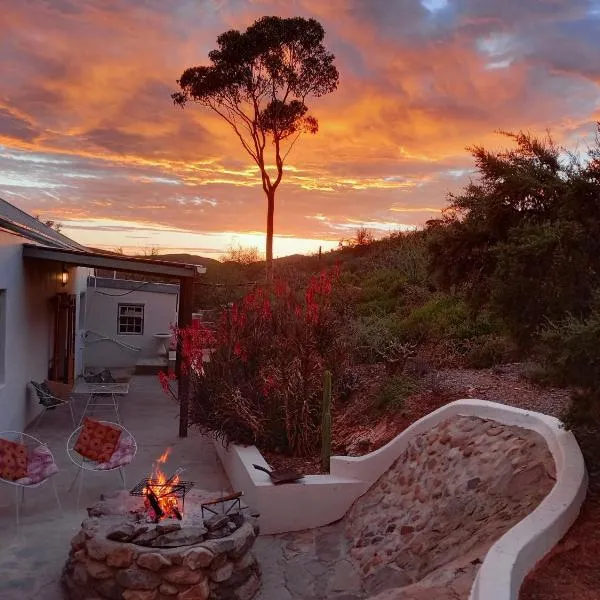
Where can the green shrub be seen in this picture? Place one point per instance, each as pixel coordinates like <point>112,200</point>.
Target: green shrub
<point>539,375</point>
<point>395,391</point>
<point>489,350</point>
<point>583,412</point>
<point>523,237</point>
<point>571,350</point>
<point>347,382</point>
<point>367,335</point>
<point>381,292</point>
<point>410,256</point>
<point>444,317</point>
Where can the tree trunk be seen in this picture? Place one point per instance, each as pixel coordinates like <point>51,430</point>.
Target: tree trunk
<point>269,249</point>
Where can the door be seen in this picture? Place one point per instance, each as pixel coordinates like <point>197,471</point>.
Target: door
<point>80,336</point>
<point>63,360</point>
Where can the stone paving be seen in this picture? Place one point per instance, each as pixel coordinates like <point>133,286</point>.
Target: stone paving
<point>308,564</point>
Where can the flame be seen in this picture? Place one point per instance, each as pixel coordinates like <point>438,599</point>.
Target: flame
<point>162,488</point>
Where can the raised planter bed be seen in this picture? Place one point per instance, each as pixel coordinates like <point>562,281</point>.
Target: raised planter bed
<point>322,499</point>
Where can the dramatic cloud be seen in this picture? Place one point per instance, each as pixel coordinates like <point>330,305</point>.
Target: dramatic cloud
<point>89,136</point>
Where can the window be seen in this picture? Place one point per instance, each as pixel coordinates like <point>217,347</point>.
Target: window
<point>131,319</point>
<point>2,333</point>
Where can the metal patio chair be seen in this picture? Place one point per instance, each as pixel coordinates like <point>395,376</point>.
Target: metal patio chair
<point>49,401</point>
<point>123,454</point>
<point>104,376</point>
<point>40,468</point>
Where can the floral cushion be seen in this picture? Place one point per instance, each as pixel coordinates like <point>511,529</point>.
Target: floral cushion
<point>123,454</point>
<point>13,460</point>
<point>97,441</point>
<point>40,466</point>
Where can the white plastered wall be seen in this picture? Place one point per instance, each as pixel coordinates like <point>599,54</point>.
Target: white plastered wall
<point>27,287</point>
<point>101,321</point>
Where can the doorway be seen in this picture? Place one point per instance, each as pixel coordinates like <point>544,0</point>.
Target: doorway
<point>63,357</point>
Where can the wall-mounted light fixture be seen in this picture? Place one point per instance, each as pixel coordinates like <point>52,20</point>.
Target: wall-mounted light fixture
<point>64,277</point>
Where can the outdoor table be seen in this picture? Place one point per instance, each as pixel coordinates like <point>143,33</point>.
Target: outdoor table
<point>104,391</point>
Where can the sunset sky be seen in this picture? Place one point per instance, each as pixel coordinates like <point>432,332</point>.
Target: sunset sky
<point>89,135</point>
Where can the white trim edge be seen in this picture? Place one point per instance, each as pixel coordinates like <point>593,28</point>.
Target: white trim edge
<point>322,499</point>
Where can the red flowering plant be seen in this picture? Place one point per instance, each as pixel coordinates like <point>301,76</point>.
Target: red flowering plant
<point>196,342</point>
<point>263,382</point>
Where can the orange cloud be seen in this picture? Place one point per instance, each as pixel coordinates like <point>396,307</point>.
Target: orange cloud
<point>88,130</point>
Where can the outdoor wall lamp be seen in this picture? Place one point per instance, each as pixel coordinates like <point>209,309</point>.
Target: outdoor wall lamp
<point>64,277</point>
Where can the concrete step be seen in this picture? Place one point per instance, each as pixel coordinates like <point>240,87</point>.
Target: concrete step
<point>151,366</point>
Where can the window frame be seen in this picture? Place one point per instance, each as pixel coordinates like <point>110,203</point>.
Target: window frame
<point>133,324</point>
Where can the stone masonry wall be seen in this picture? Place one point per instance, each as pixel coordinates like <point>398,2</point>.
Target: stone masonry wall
<point>454,491</point>
<point>219,569</point>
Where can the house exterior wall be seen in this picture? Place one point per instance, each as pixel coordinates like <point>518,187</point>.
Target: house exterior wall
<point>80,288</point>
<point>104,347</point>
<point>26,328</point>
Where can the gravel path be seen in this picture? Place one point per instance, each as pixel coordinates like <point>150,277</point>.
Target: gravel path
<point>505,384</point>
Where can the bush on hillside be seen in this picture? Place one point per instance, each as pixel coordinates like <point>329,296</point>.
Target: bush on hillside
<point>405,252</point>
<point>570,350</point>
<point>443,317</point>
<point>381,292</point>
<point>395,391</point>
<point>408,254</point>
<point>366,335</point>
<point>489,350</point>
<point>524,238</point>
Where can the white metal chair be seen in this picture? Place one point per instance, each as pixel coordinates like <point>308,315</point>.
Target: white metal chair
<point>47,468</point>
<point>49,401</point>
<point>123,454</point>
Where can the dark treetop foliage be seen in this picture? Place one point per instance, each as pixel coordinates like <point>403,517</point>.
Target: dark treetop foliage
<point>525,237</point>
<point>258,81</point>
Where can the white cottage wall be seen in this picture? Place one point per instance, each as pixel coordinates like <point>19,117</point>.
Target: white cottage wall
<point>80,288</point>
<point>160,313</point>
<point>26,328</point>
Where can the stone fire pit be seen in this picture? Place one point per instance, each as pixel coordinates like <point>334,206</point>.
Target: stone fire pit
<point>117,555</point>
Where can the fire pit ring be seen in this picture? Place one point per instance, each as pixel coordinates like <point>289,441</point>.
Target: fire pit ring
<point>118,553</point>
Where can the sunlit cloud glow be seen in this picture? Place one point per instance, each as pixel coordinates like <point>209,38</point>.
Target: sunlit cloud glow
<point>89,135</point>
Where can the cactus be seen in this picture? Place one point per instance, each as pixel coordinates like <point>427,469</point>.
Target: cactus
<point>326,422</point>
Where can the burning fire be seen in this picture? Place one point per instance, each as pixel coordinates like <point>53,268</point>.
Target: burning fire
<point>160,498</point>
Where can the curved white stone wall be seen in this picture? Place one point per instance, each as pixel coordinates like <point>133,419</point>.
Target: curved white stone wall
<point>322,499</point>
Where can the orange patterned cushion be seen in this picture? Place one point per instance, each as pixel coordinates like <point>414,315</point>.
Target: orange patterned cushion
<point>97,441</point>
<point>13,460</point>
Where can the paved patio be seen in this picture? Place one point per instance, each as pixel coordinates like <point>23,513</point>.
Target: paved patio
<point>31,560</point>
<point>296,566</point>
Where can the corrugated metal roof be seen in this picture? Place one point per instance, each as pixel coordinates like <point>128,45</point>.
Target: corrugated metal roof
<point>114,262</point>
<point>18,221</point>
<point>49,244</point>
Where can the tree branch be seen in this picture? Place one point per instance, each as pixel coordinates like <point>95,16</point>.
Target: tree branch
<point>291,146</point>
<point>234,126</point>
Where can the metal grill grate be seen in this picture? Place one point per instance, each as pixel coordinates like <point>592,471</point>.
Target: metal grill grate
<point>179,489</point>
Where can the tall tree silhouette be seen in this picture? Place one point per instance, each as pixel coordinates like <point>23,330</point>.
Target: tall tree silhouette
<point>258,82</point>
